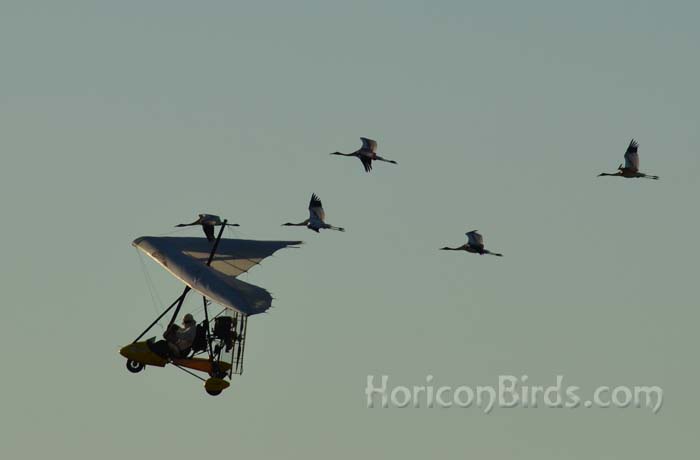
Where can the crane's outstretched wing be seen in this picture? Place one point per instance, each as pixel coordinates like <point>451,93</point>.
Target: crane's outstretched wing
<point>366,162</point>
<point>475,239</point>
<point>186,259</point>
<point>209,231</point>
<point>632,157</point>
<point>369,144</point>
<point>316,208</point>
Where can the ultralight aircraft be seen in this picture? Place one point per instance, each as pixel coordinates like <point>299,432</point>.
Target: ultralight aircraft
<point>210,268</point>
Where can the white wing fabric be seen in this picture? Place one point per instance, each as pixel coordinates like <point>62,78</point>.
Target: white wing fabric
<point>186,258</point>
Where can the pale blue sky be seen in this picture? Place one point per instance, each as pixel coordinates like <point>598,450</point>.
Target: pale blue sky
<point>121,119</point>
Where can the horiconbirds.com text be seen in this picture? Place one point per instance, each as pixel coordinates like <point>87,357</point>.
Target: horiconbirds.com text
<point>509,392</point>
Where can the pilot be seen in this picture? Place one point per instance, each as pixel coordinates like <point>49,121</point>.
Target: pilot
<point>180,338</point>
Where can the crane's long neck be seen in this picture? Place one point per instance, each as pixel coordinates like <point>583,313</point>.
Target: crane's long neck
<point>300,224</point>
<point>606,174</point>
<point>345,154</point>
<point>450,249</point>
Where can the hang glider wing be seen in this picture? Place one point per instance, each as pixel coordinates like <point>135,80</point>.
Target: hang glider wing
<point>186,258</point>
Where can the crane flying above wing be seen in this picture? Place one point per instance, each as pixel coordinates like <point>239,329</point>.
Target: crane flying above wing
<point>208,222</point>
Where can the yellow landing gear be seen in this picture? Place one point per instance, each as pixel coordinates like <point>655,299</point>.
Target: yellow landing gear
<point>215,386</point>
<point>138,355</point>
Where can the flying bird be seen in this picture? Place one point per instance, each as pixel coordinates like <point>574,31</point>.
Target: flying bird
<point>317,216</point>
<point>631,168</point>
<point>367,153</point>
<point>208,222</point>
<point>475,245</point>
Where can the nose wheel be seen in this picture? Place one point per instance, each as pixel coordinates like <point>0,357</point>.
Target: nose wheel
<point>134,366</point>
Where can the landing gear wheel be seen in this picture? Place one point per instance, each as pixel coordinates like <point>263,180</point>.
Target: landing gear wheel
<point>134,366</point>
<point>214,386</point>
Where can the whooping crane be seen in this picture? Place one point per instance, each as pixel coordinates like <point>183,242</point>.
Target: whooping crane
<point>631,168</point>
<point>316,218</point>
<point>208,222</point>
<point>366,154</point>
<point>475,245</point>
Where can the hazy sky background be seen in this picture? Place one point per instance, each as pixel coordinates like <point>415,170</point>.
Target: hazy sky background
<point>121,119</point>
